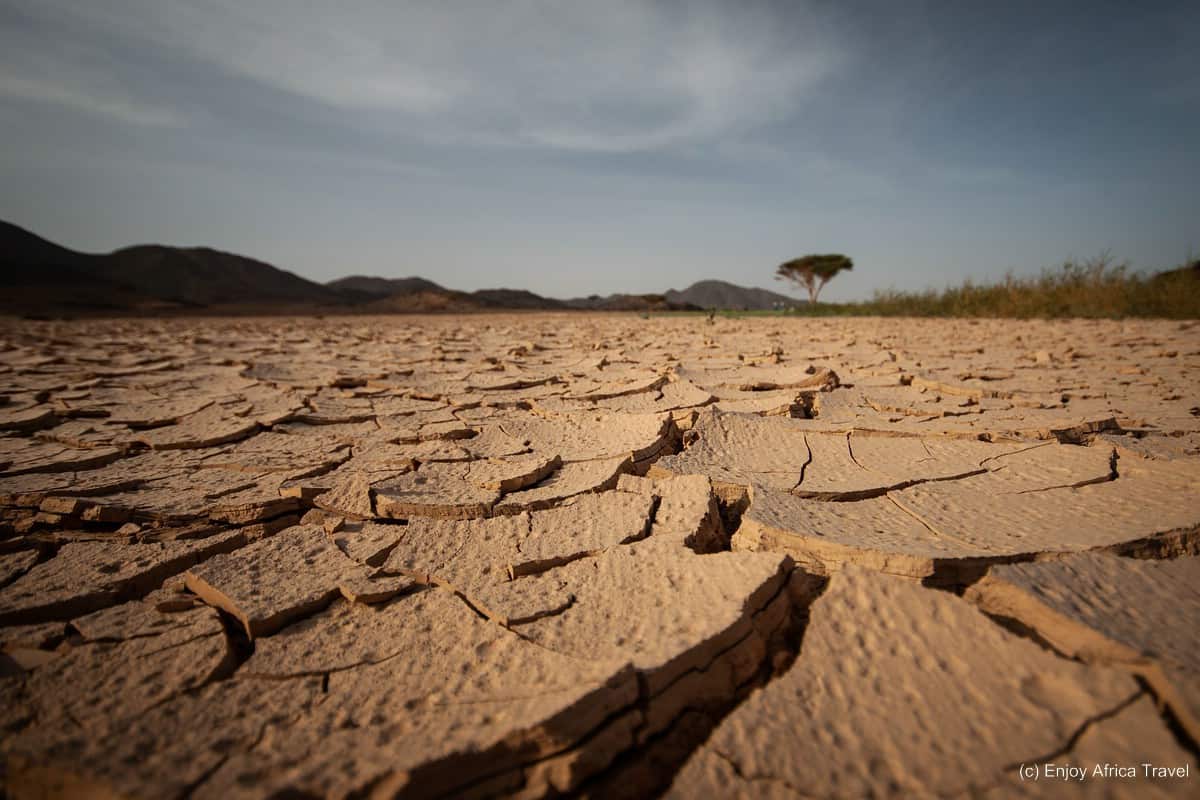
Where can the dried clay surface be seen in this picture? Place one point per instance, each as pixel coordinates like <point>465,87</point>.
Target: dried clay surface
<point>535,555</point>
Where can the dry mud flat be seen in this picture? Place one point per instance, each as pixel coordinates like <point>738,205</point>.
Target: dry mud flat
<point>534,555</point>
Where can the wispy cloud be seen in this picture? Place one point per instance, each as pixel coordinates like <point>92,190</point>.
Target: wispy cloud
<point>614,76</point>
<point>89,100</point>
<point>36,66</point>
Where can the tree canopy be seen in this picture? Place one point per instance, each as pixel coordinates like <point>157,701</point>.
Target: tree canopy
<point>812,272</point>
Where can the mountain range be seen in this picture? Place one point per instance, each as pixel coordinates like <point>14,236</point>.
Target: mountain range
<point>39,277</point>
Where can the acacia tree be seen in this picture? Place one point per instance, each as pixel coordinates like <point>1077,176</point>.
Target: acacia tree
<point>813,271</point>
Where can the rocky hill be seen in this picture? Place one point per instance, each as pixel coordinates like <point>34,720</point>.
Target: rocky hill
<point>384,287</point>
<point>723,295</point>
<point>40,276</point>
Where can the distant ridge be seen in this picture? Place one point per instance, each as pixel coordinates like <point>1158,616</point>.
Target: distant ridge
<point>402,292</point>
<point>36,275</point>
<point>515,298</point>
<point>40,277</point>
<point>384,287</point>
<point>629,302</point>
<point>723,295</point>
<point>205,277</point>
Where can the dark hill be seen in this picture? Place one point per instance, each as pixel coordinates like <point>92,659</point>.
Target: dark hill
<point>515,298</point>
<point>629,302</point>
<point>384,287</point>
<point>413,293</point>
<point>19,247</point>
<point>39,276</point>
<point>722,295</point>
<point>423,302</point>
<point>203,277</point>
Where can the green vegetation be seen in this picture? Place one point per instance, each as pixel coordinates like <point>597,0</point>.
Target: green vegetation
<point>1096,288</point>
<point>812,272</point>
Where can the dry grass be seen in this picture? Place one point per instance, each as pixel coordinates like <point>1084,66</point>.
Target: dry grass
<point>1096,288</point>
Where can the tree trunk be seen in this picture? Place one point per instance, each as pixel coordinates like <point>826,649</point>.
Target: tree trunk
<point>810,283</point>
<point>814,292</point>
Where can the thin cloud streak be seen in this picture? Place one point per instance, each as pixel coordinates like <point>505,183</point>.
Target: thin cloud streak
<point>88,100</point>
<point>621,76</point>
<point>39,67</point>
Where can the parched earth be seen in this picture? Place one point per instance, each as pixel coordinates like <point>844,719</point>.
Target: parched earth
<point>533,555</point>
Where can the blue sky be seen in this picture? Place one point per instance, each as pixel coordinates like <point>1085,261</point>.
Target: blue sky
<point>589,147</point>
